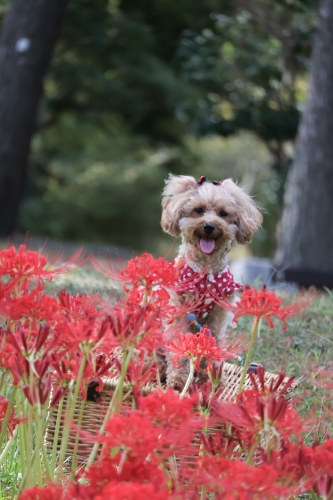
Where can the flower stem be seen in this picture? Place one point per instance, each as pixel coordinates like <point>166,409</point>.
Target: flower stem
<point>8,446</point>
<point>117,395</point>
<point>158,378</point>
<point>4,426</point>
<point>189,379</point>
<point>56,435</point>
<point>69,417</point>
<point>76,443</point>
<point>21,431</point>
<point>47,469</point>
<point>254,331</point>
<point>38,435</point>
<point>43,445</point>
<point>28,450</point>
<point>2,380</point>
<point>173,470</point>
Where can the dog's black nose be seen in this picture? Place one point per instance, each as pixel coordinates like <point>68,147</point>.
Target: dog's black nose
<point>209,228</point>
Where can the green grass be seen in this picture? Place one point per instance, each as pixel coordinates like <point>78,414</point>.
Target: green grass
<point>10,473</point>
<point>86,282</point>
<point>304,347</point>
<point>308,338</point>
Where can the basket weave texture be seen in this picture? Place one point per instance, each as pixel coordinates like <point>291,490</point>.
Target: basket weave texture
<point>94,412</point>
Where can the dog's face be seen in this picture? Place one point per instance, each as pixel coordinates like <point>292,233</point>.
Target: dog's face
<point>208,216</point>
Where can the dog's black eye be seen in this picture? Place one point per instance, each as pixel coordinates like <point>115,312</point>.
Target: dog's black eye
<point>199,210</point>
<point>223,213</point>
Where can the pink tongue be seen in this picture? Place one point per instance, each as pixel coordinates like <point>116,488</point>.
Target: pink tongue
<point>207,245</point>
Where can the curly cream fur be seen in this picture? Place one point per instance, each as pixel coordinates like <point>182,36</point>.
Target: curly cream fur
<point>182,196</point>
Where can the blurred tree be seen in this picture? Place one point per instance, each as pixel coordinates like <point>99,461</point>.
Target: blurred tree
<point>254,79</point>
<point>28,35</point>
<point>132,82</point>
<point>168,68</point>
<point>306,235</point>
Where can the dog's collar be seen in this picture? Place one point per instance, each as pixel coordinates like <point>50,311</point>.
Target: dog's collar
<point>181,261</point>
<point>210,287</point>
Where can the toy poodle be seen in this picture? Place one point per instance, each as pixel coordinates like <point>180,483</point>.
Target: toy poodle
<point>209,217</point>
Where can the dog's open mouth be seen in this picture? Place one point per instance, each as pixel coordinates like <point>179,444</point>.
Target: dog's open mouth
<point>207,245</point>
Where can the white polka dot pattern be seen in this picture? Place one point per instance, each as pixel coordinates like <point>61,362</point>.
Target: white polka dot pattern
<point>191,281</point>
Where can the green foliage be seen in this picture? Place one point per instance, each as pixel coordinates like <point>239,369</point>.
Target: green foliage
<point>134,86</point>
<point>252,65</point>
<point>99,190</point>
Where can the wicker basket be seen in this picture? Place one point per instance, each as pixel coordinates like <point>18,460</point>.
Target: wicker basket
<point>94,413</point>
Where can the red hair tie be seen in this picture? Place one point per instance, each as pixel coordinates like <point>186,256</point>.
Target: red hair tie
<point>201,180</point>
<point>217,183</point>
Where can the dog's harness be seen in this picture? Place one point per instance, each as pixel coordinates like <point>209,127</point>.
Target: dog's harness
<point>209,287</point>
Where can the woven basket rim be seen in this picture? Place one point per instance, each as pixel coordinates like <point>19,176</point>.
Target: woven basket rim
<point>110,383</point>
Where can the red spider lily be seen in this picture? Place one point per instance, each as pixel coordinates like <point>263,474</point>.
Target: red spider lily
<point>38,395</point>
<point>141,271</point>
<point>32,344</point>
<point>290,462</point>
<point>120,490</point>
<point>19,368</point>
<point>219,444</point>
<point>265,304</point>
<point>255,416</point>
<point>24,264</point>
<point>324,487</point>
<point>13,421</point>
<point>86,334</point>
<point>7,351</point>
<point>135,434</point>
<point>156,301</point>
<point>198,346</point>
<point>138,373</point>
<point>279,385</point>
<point>125,490</point>
<point>66,370</point>
<point>262,410</point>
<point>132,326</point>
<point>6,288</point>
<point>206,395</point>
<point>166,408</point>
<point>22,369</point>
<point>35,306</point>
<point>26,352</point>
<point>237,480</point>
<point>318,468</point>
<point>50,492</point>
<point>310,468</point>
<point>159,429</point>
<point>132,469</point>
<point>77,307</point>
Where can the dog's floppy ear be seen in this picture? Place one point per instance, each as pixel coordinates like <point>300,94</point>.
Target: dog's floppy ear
<point>177,184</point>
<point>249,217</point>
<point>170,216</point>
<point>177,188</point>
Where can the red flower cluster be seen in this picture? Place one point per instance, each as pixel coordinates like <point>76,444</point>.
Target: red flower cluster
<point>160,445</point>
<point>23,265</point>
<point>142,271</point>
<point>201,345</point>
<point>265,304</point>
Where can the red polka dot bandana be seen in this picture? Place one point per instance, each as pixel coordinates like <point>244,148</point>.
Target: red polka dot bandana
<point>210,287</point>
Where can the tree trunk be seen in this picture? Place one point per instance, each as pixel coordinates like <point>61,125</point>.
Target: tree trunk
<point>29,32</point>
<point>306,233</point>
